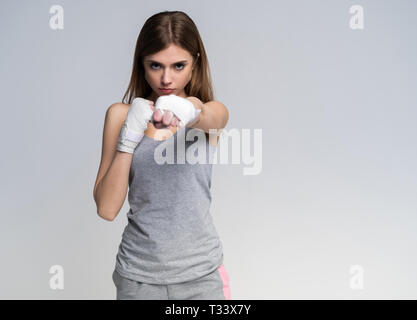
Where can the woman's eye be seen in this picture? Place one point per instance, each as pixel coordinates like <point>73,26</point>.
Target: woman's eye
<point>177,65</point>
<point>180,64</point>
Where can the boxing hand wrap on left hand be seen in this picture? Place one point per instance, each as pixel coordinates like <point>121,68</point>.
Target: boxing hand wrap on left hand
<point>182,108</point>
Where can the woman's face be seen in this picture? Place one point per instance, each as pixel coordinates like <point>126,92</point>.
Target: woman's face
<point>169,68</point>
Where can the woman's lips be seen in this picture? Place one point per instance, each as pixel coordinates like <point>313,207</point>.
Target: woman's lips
<point>166,90</point>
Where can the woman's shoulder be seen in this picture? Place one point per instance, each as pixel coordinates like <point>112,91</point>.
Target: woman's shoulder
<point>118,109</point>
<point>116,113</point>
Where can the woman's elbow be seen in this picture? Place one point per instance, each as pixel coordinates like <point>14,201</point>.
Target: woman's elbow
<point>105,215</point>
<point>225,118</point>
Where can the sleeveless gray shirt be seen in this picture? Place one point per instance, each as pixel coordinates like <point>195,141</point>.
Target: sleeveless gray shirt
<point>170,236</point>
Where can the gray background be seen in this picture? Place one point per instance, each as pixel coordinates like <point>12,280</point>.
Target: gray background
<point>338,112</point>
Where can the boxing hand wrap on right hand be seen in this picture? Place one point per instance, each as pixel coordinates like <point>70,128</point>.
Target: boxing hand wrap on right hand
<point>181,107</point>
<point>132,132</point>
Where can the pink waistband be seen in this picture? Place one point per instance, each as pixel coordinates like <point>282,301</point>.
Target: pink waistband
<point>225,280</point>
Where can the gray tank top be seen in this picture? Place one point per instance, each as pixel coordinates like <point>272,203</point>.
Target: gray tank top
<point>170,236</point>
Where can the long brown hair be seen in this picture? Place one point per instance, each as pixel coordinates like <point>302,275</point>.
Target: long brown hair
<point>158,32</point>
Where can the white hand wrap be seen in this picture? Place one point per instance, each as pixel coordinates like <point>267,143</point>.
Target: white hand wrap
<point>132,132</point>
<point>182,108</point>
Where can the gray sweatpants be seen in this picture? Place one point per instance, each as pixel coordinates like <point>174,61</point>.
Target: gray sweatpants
<point>214,286</point>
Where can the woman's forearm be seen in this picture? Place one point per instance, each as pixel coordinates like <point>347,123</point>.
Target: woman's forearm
<point>112,188</point>
<point>213,115</point>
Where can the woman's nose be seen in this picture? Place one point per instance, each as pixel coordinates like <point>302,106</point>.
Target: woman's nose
<point>166,79</point>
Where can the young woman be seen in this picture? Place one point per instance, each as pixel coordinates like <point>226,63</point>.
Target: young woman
<point>170,248</point>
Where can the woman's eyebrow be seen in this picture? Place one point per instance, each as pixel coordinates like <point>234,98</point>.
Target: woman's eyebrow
<point>162,64</point>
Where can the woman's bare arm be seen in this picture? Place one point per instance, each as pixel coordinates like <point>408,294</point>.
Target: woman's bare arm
<point>213,115</point>
<point>112,180</point>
